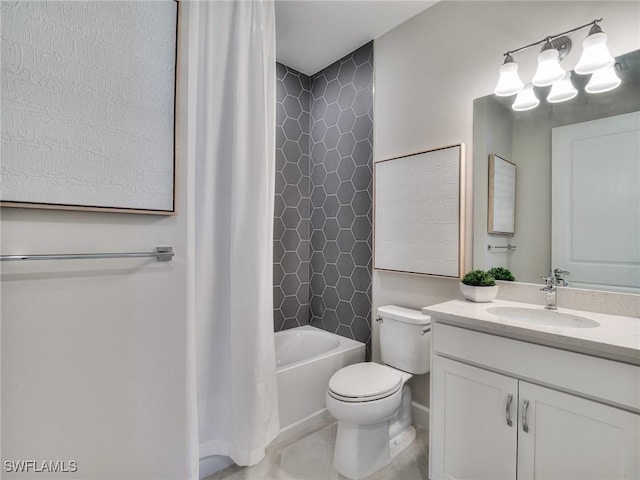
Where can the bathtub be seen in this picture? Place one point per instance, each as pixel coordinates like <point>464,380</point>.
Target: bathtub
<point>306,357</point>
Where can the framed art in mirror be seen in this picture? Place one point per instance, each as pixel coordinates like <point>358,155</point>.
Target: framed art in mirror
<point>502,196</point>
<point>88,106</point>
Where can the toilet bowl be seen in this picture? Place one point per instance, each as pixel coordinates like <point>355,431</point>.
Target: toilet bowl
<point>372,401</point>
<point>364,397</point>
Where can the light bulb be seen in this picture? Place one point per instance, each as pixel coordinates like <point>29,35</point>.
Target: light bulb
<point>562,90</point>
<point>509,82</point>
<point>603,81</point>
<point>549,69</point>
<point>526,99</point>
<point>595,54</point>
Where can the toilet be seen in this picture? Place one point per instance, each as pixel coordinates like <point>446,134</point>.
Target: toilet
<point>372,402</point>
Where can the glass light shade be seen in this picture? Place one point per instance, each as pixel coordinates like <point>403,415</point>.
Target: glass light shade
<point>603,81</point>
<point>526,100</point>
<point>509,82</point>
<point>562,90</point>
<point>549,69</point>
<point>595,54</point>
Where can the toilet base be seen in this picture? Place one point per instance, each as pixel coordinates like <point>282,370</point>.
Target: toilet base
<point>363,450</point>
<point>402,441</point>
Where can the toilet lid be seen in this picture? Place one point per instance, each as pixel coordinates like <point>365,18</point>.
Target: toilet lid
<point>364,381</point>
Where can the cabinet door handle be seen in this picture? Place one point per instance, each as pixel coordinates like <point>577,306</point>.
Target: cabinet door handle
<point>508,410</point>
<point>525,408</point>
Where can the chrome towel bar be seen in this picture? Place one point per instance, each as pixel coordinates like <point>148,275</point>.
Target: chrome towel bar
<point>161,254</point>
<point>509,247</point>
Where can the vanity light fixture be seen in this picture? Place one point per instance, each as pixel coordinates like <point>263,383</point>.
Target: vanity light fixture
<point>595,54</point>
<point>509,82</point>
<point>549,70</point>
<point>595,60</point>
<point>526,99</point>
<point>603,80</point>
<point>562,90</point>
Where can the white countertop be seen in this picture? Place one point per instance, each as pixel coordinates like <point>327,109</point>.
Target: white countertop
<point>616,338</point>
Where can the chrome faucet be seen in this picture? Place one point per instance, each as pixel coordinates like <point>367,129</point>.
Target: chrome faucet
<point>550,292</point>
<point>559,274</point>
<point>555,279</point>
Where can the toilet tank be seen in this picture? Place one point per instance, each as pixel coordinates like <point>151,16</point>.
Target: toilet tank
<point>405,338</point>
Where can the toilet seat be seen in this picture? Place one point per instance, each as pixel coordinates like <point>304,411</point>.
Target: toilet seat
<point>364,382</point>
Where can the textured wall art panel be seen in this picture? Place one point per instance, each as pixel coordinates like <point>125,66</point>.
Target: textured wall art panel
<point>417,213</point>
<point>291,223</point>
<point>88,103</point>
<point>341,195</point>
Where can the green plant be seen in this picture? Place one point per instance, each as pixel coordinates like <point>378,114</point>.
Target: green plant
<point>501,273</point>
<point>479,278</point>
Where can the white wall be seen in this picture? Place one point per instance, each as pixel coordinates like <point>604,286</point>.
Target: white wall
<point>429,70</point>
<point>94,351</point>
<point>492,134</point>
<point>532,151</point>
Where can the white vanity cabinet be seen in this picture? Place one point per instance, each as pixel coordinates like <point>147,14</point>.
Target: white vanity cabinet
<point>570,437</point>
<point>507,409</point>
<point>470,435</point>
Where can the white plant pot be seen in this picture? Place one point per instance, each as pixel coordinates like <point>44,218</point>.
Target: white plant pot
<point>479,294</point>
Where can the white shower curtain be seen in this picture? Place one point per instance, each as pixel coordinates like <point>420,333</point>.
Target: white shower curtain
<point>231,137</point>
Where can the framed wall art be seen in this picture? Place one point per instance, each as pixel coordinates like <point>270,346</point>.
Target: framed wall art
<point>419,213</point>
<point>88,105</point>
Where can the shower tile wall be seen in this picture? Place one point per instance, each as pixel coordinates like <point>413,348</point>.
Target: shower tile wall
<point>323,206</point>
<point>341,193</point>
<point>291,223</point>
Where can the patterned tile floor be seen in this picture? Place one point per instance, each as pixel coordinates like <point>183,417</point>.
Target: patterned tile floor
<point>308,455</point>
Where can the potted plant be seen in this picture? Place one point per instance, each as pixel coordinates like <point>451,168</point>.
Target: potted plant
<point>479,286</point>
<point>501,273</point>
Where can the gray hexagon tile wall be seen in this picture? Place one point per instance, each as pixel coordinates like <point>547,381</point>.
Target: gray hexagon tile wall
<point>291,224</point>
<point>323,231</point>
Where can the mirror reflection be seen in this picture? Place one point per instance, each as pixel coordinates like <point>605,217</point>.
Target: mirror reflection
<point>577,187</point>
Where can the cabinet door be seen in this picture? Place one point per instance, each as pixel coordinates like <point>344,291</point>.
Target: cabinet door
<point>471,437</point>
<point>571,438</point>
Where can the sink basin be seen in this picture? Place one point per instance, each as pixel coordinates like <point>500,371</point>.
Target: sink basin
<point>542,317</point>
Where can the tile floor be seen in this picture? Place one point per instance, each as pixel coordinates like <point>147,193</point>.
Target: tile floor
<point>308,455</point>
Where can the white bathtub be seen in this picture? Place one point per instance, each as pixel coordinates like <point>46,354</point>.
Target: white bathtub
<point>306,357</point>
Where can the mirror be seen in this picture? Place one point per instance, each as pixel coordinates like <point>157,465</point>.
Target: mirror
<point>577,201</point>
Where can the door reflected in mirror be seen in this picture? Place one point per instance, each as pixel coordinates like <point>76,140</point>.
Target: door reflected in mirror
<point>577,203</point>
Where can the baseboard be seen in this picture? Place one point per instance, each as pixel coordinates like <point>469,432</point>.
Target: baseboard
<point>420,415</point>
<point>315,420</point>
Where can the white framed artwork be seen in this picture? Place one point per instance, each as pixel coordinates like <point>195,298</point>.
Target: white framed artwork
<point>419,213</point>
<point>88,104</point>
